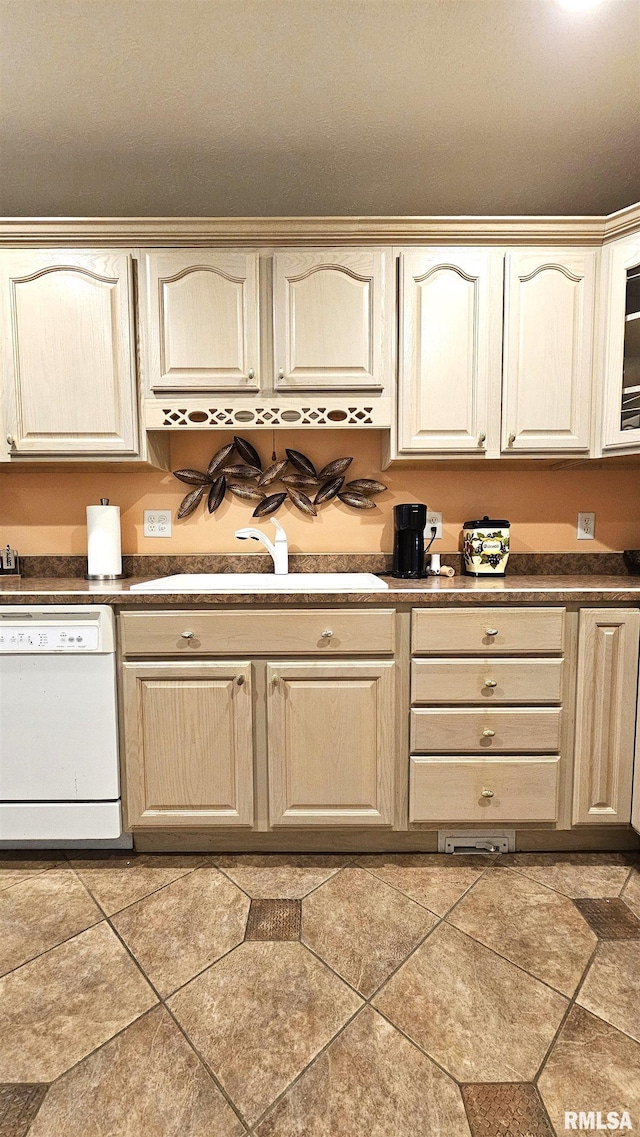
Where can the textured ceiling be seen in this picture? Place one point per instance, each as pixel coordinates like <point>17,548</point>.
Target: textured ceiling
<point>275,107</point>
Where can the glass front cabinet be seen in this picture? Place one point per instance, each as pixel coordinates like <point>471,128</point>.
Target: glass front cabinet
<point>621,347</point>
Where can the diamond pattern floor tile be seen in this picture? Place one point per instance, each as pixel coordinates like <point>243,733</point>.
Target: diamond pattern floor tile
<point>18,1107</point>
<point>370,1081</point>
<point>184,927</point>
<point>147,1082</point>
<point>260,1015</point>
<point>474,1012</point>
<point>274,920</point>
<point>610,919</point>
<point>531,925</point>
<point>59,1007</point>
<point>362,928</point>
<point>506,1109</point>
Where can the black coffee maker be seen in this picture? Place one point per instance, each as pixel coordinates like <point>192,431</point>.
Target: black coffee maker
<point>408,545</point>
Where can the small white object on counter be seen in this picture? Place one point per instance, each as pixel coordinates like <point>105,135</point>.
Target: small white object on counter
<point>104,548</point>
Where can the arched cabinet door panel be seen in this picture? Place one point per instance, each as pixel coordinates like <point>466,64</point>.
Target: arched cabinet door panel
<point>68,359</point>
<point>333,319</point>
<point>620,349</point>
<point>548,350</point>
<point>450,343</point>
<point>201,328</point>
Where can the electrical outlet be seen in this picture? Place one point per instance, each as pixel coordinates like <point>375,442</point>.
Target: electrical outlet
<point>157,523</point>
<point>586,526</point>
<point>433,519</point>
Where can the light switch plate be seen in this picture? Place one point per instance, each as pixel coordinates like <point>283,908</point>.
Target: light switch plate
<point>157,523</point>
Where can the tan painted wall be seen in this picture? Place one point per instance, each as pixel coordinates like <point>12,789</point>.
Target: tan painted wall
<point>44,511</point>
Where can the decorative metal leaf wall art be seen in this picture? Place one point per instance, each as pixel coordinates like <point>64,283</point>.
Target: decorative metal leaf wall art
<point>304,487</point>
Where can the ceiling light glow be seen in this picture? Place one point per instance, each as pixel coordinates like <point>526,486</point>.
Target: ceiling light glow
<point>578,5</point>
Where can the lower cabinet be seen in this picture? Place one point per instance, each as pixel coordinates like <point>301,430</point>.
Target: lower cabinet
<point>331,743</point>
<point>189,743</point>
<point>605,715</point>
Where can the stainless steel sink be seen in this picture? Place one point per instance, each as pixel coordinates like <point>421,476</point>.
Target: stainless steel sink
<point>265,582</point>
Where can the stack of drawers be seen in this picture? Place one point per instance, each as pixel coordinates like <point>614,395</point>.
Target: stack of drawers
<point>486,693</point>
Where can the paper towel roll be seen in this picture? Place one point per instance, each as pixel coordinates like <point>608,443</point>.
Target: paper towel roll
<point>104,551</point>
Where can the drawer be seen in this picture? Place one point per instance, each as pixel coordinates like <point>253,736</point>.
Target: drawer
<point>515,789</point>
<point>487,631</point>
<point>274,632</point>
<point>433,729</point>
<point>486,681</point>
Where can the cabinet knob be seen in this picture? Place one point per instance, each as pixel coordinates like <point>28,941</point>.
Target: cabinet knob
<point>490,683</point>
<point>251,373</point>
<point>240,680</point>
<point>487,793</point>
<point>491,631</point>
<point>488,733</point>
<point>11,440</point>
<point>511,439</point>
<point>327,634</point>
<point>275,680</point>
<point>281,373</point>
<point>482,438</point>
<point>188,635</point>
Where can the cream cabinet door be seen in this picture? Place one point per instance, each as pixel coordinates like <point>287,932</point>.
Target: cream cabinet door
<point>333,327</point>
<point>620,346</point>
<point>605,715</point>
<point>188,744</point>
<point>449,366</point>
<point>331,743</point>
<point>201,329</point>
<point>68,359</point>
<point>548,350</point>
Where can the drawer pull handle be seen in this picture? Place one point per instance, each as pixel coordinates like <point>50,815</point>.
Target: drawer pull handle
<point>188,635</point>
<point>327,634</point>
<point>488,733</point>
<point>490,683</point>
<point>487,793</point>
<point>240,680</point>
<point>491,631</point>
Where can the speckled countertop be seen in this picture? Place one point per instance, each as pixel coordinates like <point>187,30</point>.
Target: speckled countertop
<point>585,589</point>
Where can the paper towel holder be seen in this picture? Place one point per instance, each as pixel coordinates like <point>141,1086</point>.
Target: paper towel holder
<point>105,576</point>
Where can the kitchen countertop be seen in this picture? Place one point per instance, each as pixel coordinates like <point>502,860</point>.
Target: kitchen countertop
<point>434,591</point>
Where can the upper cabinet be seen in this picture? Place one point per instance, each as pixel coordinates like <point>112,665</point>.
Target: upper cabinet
<point>68,358</point>
<point>548,338</point>
<point>200,326</point>
<point>620,348</point>
<point>449,350</point>
<point>333,319</point>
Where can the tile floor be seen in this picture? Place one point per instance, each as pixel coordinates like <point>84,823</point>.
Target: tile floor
<point>317,996</point>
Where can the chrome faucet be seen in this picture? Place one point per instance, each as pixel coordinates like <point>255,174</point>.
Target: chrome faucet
<point>279,549</point>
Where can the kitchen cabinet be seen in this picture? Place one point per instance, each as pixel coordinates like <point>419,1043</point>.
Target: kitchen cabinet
<point>68,353</point>
<point>605,715</point>
<point>200,320</point>
<point>620,347</point>
<point>330,732</point>
<point>189,743</point>
<point>450,342</point>
<point>548,350</point>
<point>333,312</point>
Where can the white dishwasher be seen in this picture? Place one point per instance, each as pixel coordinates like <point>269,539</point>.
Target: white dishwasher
<point>59,776</point>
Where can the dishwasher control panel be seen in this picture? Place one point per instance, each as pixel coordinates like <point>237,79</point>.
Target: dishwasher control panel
<point>48,637</point>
